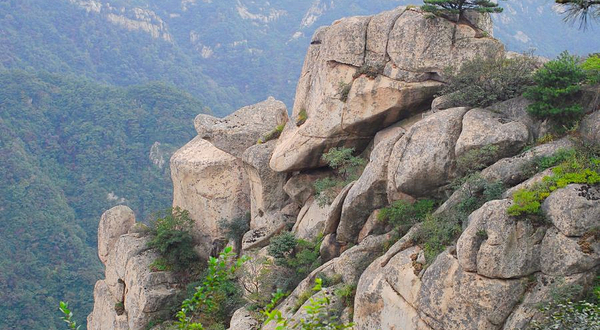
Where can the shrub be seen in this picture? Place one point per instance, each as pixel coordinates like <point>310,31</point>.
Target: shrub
<point>297,257</point>
<point>173,239</point>
<point>591,66</point>
<point>577,168</point>
<point>344,90</point>
<point>302,117</point>
<point>275,133</point>
<point>437,232</point>
<point>347,168</point>
<point>318,315</point>
<point>403,215</point>
<point>217,298</point>
<point>484,81</point>
<point>477,159</point>
<point>346,293</point>
<point>235,229</point>
<point>557,84</point>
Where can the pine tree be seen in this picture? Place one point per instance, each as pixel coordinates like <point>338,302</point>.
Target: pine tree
<point>581,10</point>
<point>456,8</point>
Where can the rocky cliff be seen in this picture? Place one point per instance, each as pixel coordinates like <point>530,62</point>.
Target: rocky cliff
<point>368,83</point>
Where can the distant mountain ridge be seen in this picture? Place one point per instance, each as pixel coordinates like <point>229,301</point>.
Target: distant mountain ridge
<point>227,53</point>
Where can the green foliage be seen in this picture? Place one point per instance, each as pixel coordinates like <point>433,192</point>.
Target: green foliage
<point>347,168</point>
<point>68,316</point>
<point>403,215</point>
<point>302,117</point>
<point>235,229</point>
<point>458,7</point>
<point>556,87</point>
<point>591,66</point>
<point>477,159</point>
<point>318,315</point>
<point>437,232</point>
<point>580,10</point>
<point>69,150</point>
<point>272,135</point>
<point>344,90</point>
<point>577,167</point>
<point>296,257</point>
<point>487,80</point>
<point>346,293</point>
<point>216,299</point>
<point>173,239</point>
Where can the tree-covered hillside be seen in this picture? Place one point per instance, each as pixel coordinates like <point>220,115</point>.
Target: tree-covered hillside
<point>70,149</point>
<point>227,53</point>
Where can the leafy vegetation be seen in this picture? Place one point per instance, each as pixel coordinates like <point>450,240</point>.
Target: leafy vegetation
<point>557,84</point>
<point>296,257</point>
<point>579,167</point>
<point>477,159</point>
<point>591,66</point>
<point>318,315</point>
<point>235,229</point>
<point>403,215</point>
<point>347,168</point>
<point>272,135</point>
<point>487,80</point>
<point>302,117</point>
<point>217,298</point>
<point>68,316</point>
<point>71,149</point>
<point>172,238</point>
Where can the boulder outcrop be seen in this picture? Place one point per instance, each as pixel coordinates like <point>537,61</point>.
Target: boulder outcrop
<point>362,74</point>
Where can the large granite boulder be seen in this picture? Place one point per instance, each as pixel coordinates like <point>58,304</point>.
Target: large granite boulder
<point>496,245</point>
<point>113,223</point>
<point>574,210</point>
<point>483,128</point>
<point>241,129</point>
<point>362,74</point>
<point>212,185</point>
<point>423,159</point>
<point>131,295</point>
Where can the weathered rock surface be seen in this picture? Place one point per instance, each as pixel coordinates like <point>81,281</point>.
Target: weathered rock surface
<point>300,187</point>
<point>496,245</point>
<point>311,220</point>
<point>131,294</point>
<point>562,255</point>
<point>590,128</point>
<point>389,65</point>
<point>242,320</point>
<point>113,223</point>
<point>528,184</point>
<point>423,159</point>
<point>482,128</point>
<point>241,129</point>
<point>267,196</point>
<point>574,210</point>
<point>335,210</point>
<point>368,193</point>
<point>212,185</point>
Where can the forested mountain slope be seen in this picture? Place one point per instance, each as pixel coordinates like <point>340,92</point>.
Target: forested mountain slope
<point>227,53</point>
<point>69,149</point>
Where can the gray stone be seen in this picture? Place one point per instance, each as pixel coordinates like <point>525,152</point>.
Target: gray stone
<point>241,129</point>
<point>590,128</point>
<point>113,223</point>
<point>563,255</point>
<point>574,210</point>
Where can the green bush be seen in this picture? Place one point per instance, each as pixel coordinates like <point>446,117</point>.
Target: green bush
<point>217,298</point>
<point>275,133</point>
<point>235,229</point>
<point>577,168</point>
<point>484,81</point>
<point>403,215</point>
<point>591,66</point>
<point>297,257</point>
<point>347,168</point>
<point>557,85</point>
<point>302,117</point>
<point>173,239</point>
<point>477,159</point>
<point>437,232</point>
<point>319,316</point>
<point>347,293</point>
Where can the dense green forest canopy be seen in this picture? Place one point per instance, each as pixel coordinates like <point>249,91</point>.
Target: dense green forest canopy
<point>70,149</point>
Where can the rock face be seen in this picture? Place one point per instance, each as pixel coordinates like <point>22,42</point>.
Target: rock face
<point>362,74</point>
<point>131,295</point>
<point>113,223</point>
<point>423,159</point>
<point>240,130</point>
<point>212,185</point>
